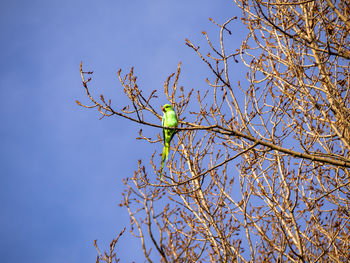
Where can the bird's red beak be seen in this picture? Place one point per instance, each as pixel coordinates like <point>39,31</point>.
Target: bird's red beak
<point>162,108</point>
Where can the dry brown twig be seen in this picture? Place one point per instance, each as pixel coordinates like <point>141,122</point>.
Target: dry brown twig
<point>263,179</point>
<point>111,256</point>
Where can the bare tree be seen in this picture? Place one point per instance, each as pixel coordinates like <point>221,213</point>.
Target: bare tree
<point>259,179</point>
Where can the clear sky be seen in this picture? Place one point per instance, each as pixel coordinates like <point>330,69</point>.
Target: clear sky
<point>61,167</point>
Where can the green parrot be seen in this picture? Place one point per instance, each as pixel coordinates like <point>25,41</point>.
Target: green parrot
<point>169,120</point>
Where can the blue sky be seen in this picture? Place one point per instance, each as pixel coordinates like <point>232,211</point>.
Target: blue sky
<point>61,167</point>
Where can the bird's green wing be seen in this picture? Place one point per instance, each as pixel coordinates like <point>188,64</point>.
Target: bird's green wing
<point>163,121</point>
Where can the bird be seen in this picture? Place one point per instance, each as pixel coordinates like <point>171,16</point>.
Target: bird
<point>169,120</point>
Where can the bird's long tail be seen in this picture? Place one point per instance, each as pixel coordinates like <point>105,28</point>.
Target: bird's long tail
<point>164,158</point>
